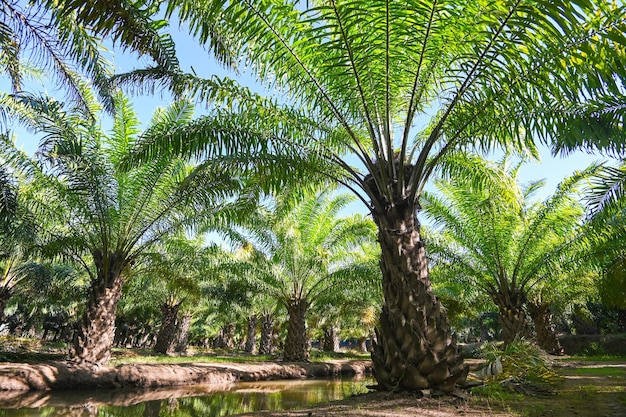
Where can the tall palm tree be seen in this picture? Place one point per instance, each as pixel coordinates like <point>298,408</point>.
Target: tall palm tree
<point>386,93</point>
<point>106,217</point>
<point>497,239</point>
<point>299,249</point>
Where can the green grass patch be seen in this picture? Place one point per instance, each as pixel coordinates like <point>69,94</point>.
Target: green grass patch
<point>127,356</point>
<point>602,371</point>
<point>593,358</point>
<point>123,357</point>
<point>496,392</point>
<point>320,355</point>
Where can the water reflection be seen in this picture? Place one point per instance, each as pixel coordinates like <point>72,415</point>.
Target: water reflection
<point>199,400</point>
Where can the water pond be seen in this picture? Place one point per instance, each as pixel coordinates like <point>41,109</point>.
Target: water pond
<point>190,401</point>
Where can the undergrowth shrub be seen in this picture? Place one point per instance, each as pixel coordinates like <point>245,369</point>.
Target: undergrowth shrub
<point>520,366</point>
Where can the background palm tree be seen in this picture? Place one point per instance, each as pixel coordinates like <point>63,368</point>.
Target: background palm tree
<point>105,217</point>
<point>385,99</point>
<point>297,250</point>
<point>607,213</point>
<point>497,239</point>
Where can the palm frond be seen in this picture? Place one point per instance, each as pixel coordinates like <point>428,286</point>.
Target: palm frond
<point>608,188</point>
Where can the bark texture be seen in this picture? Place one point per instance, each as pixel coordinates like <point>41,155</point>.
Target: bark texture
<point>96,333</point>
<point>251,336</point>
<point>226,337</point>
<point>267,330</point>
<point>168,332</point>
<point>414,347</point>
<point>296,343</point>
<point>512,315</point>
<point>544,328</point>
<point>5,295</point>
<point>182,335</point>
<point>331,339</point>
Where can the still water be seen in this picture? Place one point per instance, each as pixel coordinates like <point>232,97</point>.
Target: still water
<point>199,400</point>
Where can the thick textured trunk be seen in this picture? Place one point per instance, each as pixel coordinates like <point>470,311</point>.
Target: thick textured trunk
<point>96,333</point>
<point>296,344</point>
<point>363,344</point>
<point>251,336</point>
<point>512,315</point>
<point>226,338</point>
<point>182,335</point>
<point>166,337</point>
<point>267,330</point>
<point>5,295</point>
<point>544,328</point>
<point>331,339</point>
<point>414,348</point>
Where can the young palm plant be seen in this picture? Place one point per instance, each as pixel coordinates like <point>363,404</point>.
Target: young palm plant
<point>497,239</point>
<point>386,94</point>
<point>105,217</point>
<point>299,249</point>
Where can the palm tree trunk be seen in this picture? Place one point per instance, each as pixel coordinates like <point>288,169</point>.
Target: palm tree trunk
<point>96,333</point>
<point>296,345</point>
<point>166,337</point>
<point>331,339</point>
<point>251,336</point>
<point>182,335</point>
<point>5,295</point>
<point>512,315</point>
<point>363,344</point>
<point>542,319</point>
<point>267,329</point>
<point>415,348</point>
<point>226,338</point>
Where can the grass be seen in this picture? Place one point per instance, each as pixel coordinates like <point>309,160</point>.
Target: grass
<point>25,350</point>
<point>126,356</point>
<point>594,358</point>
<point>600,371</point>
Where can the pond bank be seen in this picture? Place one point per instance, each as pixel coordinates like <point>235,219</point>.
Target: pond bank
<point>62,375</point>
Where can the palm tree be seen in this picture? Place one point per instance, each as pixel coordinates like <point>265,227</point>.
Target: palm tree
<point>386,94</point>
<point>605,204</point>
<point>18,232</point>
<point>106,217</point>
<point>179,264</point>
<point>298,250</point>
<point>352,308</point>
<point>61,41</point>
<point>495,238</point>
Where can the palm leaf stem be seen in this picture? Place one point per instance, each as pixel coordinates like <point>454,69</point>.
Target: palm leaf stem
<point>353,67</point>
<point>387,126</point>
<point>410,114</point>
<point>434,135</point>
<point>58,61</point>
<point>363,154</point>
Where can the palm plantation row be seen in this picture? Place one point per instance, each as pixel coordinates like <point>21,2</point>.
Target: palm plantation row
<point>381,103</point>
